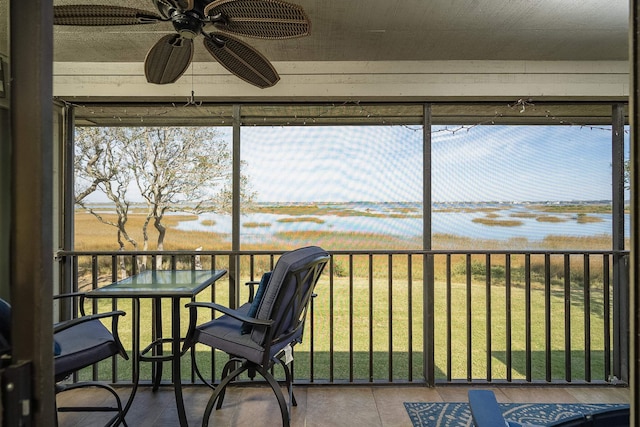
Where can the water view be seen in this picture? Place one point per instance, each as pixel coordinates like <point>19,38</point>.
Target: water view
<point>490,221</point>
<point>546,194</point>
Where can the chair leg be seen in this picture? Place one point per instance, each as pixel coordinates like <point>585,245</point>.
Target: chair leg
<point>289,379</point>
<point>195,368</point>
<point>220,391</point>
<point>225,372</point>
<point>218,394</point>
<point>275,386</point>
<point>116,420</point>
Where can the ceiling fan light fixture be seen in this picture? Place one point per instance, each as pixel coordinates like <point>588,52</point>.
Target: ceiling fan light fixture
<point>187,33</point>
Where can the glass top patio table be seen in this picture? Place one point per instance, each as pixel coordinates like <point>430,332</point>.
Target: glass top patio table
<point>160,283</point>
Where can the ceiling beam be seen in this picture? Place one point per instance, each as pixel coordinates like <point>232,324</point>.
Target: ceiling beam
<point>356,81</point>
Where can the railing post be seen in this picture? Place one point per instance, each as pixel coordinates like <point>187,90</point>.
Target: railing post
<point>68,220</point>
<point>621,282</point>
<point>234,276</point>
<point>620,285</point>
<point>234,260</point>
<point>429,321</point>
<point>427,267</point>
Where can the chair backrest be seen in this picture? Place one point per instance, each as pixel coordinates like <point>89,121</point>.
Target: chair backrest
<point>288,293</point>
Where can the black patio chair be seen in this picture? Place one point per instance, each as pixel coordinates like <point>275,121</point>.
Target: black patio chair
<point>82,342</point>
<point>263,332</point>
<point>79,343</point>
<point>486,412</point>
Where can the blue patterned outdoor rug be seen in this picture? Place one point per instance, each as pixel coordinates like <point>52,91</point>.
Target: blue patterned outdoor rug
<point>425,414</point>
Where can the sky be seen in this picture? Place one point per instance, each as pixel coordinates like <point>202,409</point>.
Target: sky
<point>384,163</point>
<point>336,164</point>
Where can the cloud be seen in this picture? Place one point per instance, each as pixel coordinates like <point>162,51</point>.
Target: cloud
<point>343,163</point>
<point>384,163</point>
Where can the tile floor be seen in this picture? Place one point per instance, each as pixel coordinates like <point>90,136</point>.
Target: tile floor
<point>335,406</point>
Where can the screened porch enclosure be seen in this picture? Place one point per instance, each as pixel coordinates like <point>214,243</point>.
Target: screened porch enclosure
<point>470,242</point>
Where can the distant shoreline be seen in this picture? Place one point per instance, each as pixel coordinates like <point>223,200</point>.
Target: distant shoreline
<point>593,206</point>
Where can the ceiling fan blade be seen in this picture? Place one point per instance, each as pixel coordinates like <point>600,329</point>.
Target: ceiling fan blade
<point>91,15</point>
<point>168,59</point>
<point>266,19</point>
<point>181,5</point>
<point>242,60</point>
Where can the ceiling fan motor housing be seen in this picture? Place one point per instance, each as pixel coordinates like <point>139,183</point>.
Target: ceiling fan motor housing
<point>187,24</point>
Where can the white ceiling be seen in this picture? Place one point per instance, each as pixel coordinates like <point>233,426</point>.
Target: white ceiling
<point>394,30</point>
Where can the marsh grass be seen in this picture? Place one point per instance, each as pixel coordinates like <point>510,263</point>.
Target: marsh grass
<point>466,209</point>
<point>330,209</point>
<point>523,215</point>
<point>307,209</point>
<point>303,219</point>
<point>551,218</point>
<point>90,234</point>
<point>602,208</point>
<point>93,236</point>
<point>584,218</point>
<point>256,224</point>
<point>495,222</point>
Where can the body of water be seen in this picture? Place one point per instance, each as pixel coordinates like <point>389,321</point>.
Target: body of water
<point>406,222</point>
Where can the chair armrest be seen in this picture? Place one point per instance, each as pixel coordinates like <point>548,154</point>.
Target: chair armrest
<point>66,324</point>
<point>189,340</point>
<point>252,284</point>
<point>69,295</point>
<point>229,312</point>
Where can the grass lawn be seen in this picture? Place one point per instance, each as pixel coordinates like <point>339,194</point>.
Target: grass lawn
<point>376,342</point>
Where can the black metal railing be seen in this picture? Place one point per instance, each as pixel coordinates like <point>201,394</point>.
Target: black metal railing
<point>429,317</point>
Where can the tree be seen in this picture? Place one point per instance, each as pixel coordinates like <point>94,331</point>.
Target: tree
<point>174,169</point>
<point>100,166</point>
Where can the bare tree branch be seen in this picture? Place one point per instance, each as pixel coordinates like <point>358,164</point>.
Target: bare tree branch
<point>173,169</point>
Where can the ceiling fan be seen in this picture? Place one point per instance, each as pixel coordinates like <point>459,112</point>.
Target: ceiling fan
<point>170,57</point>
